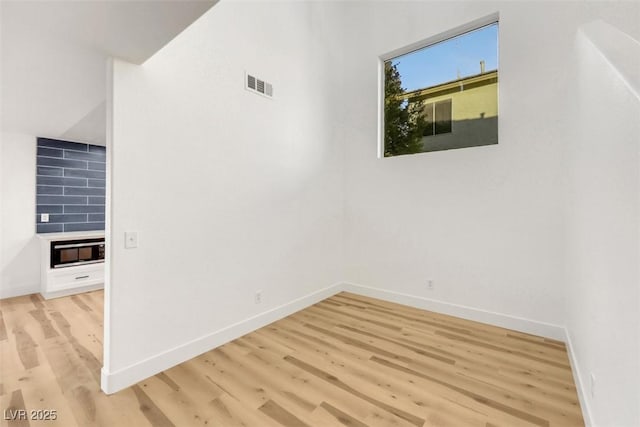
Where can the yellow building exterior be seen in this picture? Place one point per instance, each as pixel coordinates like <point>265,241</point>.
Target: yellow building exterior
<point>460,113</point>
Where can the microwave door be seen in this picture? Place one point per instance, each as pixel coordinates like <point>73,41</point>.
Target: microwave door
<point>68,255</point>
<point>85,254</point>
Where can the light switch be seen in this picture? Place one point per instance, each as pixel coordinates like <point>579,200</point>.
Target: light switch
<point>44,217</point>
<point>130,239</point>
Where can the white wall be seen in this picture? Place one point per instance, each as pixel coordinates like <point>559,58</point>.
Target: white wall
<point>230,192</point>
<point>488,224</point>
<point>20,250</point>
<point>483,223</point>
<point>261,191</point>
<point>602,233</point>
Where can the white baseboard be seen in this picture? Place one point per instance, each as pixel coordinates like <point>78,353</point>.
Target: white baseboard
<point>72,291</point>
<point>18,291</point>
<point>497,319</point>
<point>580,384</point>
<point>118,380</point>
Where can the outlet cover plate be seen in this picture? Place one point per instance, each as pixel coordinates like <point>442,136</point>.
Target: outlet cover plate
<point>130,239</point>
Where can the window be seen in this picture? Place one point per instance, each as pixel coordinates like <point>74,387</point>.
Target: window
<point>442,93</point>
<point>441,111</point>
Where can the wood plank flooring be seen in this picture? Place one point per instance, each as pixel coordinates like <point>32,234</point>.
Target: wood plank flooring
<point>346,361</point>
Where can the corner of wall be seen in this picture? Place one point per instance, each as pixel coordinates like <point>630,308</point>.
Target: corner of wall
<point>580,384</point>
<point>19,246</point>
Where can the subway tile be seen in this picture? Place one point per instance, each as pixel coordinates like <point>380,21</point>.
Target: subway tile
<point>63,163</point>
<point>84,226</point>
<point>44,170</point>
<point>79,155</point>
<point>98,166</point>
<point>61,200</point>
<point>54,219</point>
<point>84,173</point>
<point>84,209</point>
<point>83,191</point>
<point>49,228</point>
<point>96,217</point>
<point>50,209</point>
<point>55,180</point>
<point>49,189</point>
<point>50,152</point>
<point>63,145</point>
<point>96,201</point>
<point>70,186</point>
<point>96,183</point>
<point>97,149</point>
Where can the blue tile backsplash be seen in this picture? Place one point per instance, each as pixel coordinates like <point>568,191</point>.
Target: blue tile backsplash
<point>70,186</point>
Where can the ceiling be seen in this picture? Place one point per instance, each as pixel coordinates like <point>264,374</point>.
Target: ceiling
<point>54,58</point>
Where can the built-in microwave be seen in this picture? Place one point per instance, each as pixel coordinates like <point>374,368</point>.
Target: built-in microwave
<point>76,252</point>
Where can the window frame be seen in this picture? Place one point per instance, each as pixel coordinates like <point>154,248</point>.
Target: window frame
<point>493,18</point>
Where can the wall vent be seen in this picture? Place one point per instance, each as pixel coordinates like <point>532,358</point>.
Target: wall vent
<point>259,86</point>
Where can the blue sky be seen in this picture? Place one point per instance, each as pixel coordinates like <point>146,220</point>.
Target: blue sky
<point>441,62</point>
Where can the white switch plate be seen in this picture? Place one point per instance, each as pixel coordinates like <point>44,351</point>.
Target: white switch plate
<point>44,217</point>
<point>130,239</point>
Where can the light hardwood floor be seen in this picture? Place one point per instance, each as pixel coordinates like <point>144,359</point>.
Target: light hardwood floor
<point>346,361</point>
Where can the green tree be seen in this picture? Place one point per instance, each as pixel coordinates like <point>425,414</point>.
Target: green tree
<point>404,121</point>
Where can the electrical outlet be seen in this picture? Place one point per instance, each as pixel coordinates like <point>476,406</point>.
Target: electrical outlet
<point>130,239</point>
<point>593,385</point>
<point>44,217</point>
<point>430,284</point>
<point>258,297</point>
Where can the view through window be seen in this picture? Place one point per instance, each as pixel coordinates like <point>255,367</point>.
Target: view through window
<point>444,95</point>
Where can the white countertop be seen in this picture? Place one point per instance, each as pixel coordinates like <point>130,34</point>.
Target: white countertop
<point>71,235</point>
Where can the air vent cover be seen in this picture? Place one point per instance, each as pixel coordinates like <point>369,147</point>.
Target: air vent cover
<point>259,86</point>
